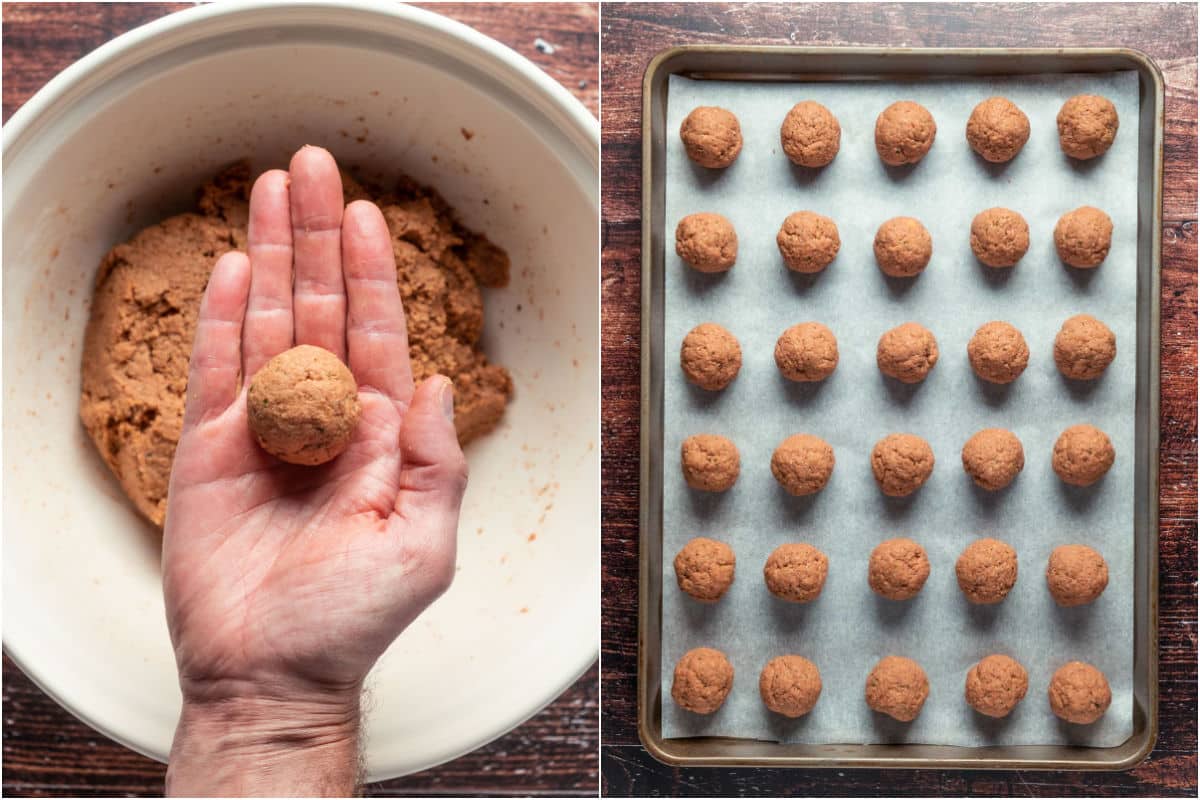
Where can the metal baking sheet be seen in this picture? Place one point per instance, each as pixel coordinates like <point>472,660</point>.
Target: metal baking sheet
<point>937,627</point>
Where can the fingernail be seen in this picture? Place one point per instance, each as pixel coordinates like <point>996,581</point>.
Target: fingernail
<point>448,398</point>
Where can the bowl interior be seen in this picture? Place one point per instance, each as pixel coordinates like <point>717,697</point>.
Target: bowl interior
<point>387,93</point>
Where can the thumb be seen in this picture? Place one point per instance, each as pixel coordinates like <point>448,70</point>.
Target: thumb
<point>433,472</point>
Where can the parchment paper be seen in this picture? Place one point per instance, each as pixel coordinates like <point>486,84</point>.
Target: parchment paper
<point>848,628</point>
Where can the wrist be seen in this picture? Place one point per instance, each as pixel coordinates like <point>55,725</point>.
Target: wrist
<point>265,743</point>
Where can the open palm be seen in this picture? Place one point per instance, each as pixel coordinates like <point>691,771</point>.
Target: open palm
<point>280,578</point>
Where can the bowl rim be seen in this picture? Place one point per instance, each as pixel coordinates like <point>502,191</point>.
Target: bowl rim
<point>76,77</point>
<point>78,72</point>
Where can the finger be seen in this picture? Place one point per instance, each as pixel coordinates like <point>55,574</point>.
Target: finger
<point>433,477</point>
<point>268,328</point>
<point>216,351</point>
<point>376,334</point>
<point>319,296</point>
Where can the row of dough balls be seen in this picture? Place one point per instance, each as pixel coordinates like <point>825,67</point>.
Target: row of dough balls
<point>791,685</point>
<point>901,462</point>
<point>904,132</point>
<point>809,242</point>
<point>897,570</point>
<point>711,356</point>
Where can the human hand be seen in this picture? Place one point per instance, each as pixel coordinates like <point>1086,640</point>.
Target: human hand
<point>284,584</point>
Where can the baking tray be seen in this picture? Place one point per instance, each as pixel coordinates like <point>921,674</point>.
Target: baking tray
<point>798,64</point>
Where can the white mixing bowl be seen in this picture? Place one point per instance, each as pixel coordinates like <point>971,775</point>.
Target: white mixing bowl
<point>118,141</point>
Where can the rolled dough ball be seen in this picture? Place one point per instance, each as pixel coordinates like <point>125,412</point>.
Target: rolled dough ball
<point>706,242</point>
<point>1076,575</point>
<point>993,458</point>
<point>806,352</point>
<point>704,569</point>
<point>790,685</point>
<point>808,241</point>
<point>710,356</point>
<point>997,129</point>
<point>904,132</point>
<point>998,352</point>
<point>710,463</point>
<point>902,463</point>
<point>897,687</point>
<point>810,134</point>
<point>986,571</point>
<point>703,678</point>
<point>903,247</point>
<point>1087,126</point>
<point>1082,455</point>
<point>796,572</point>
<point>999,237</point>
<point>303,406</point>
<point>802,464</point>
<point>907,353</point>
<point>1084,347</point>
<point>898,569</point>
<point>1083,236</point>
<point>712,136</point>
<point>995,685</point>
<point>1079,693</point>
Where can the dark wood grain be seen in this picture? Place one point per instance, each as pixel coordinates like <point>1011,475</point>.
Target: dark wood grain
<point>47,752</point>
<point>630,35</point>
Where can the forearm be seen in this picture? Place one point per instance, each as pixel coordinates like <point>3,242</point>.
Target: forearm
<point>268,748</point>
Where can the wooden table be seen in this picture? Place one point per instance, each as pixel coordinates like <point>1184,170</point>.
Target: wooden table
<point>47,751</point>
<point>632,34</point>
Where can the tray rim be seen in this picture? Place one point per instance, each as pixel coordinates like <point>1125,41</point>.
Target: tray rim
<point>649,729</point>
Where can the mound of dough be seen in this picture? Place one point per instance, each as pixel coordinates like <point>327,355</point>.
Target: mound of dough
<point>147,298</point>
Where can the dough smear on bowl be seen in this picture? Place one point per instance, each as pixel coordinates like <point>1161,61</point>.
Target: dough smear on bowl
<point>147,298</point>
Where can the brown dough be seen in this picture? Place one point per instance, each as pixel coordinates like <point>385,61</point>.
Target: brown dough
<point>796,572</point>
<point>1084,347</point>
<point>1079,693</point>
<point>704,569</point>
<point>998,352</point>
<point>1083,237</point>
<point>903,247</point>
<point>999,237</point>
<point>1087,126</point>
<point>303,406</point>
<point>790,685</point>
<point>1076,575</point>
<point>897,687</point>
<point>904,132</point>
<point>808,241</point>
<point>802,464</point>
<point>901,463</point>
<point>907,353</point>
<point>898,569</point>
<point>997,129</point>
<point>706,242</point>
<point>995,685</point>
<point>703,678</point>
<point>806,352</point>
<point>1082,455</point>
<point>147,298</point>
<point>986,571</point>
<point>710,463</point>
<point>712,136</point>
<point>993,458</point>
<point>710,356</point>
<point>810,134</point>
